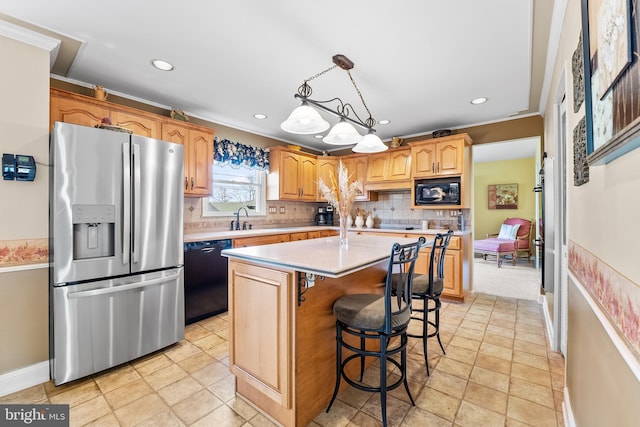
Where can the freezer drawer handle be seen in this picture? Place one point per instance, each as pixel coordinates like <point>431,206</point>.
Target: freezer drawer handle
<point>114,289</point>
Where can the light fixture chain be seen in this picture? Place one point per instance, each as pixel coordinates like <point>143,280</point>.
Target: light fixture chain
<point>360,95</point>
<point>321,73</point>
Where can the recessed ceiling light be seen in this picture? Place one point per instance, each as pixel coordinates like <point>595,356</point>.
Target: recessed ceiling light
<point>319,136</point>
<point>384,122</point>
<point>162,65</point>
<point>260,116</point>
<point>478,101</point>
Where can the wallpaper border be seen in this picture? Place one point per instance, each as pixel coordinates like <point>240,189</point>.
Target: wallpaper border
<point>615,295</point>
<point>23,252</point>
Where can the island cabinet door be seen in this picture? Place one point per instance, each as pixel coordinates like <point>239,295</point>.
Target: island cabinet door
<point>260,351</point>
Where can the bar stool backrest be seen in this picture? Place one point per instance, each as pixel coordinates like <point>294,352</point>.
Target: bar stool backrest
<point>436,264</point>
<point>397,297</point>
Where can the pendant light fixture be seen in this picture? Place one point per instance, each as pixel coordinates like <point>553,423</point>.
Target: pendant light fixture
<point>370,144</point>
<point>306,120</point>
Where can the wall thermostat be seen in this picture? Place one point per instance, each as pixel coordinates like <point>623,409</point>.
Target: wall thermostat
<point>25,168</point>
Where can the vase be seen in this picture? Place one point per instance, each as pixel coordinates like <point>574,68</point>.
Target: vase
<point>369,222</point>
<point>359,221</point>
<point>344,241</point>
<point>349,221</point>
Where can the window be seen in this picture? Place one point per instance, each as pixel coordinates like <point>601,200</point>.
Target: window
<point>235,187</point>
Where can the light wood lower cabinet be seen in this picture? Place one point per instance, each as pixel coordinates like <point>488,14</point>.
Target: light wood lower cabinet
<point>283,353</point>
<point>244,242</point>
<point>456,262</point>
<point>260,354</point>
<point>321,233</point>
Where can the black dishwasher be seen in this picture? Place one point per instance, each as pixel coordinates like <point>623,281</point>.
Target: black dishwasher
<point>205,279</point>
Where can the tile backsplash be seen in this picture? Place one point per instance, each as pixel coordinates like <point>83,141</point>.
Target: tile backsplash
<point>394,207</point>
<point>287,214</point>
<point>391,208</point>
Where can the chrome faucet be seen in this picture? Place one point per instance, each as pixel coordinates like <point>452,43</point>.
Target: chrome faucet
<point>246,212</point>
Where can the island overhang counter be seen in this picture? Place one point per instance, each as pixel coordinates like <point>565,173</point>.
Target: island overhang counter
<point>282,344</point>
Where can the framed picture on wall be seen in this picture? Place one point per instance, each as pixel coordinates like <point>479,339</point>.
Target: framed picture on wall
<point>611,78</point>
<point>503,196</point>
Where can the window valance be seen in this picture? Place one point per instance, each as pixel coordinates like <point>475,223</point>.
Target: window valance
<point>237,154</point>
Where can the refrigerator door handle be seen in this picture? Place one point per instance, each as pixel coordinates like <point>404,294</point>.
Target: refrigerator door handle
<point>136,204</point>
<point>126,202</point>
<point>114,289</point>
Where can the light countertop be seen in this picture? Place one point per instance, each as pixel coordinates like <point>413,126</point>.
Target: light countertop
<point>229,234</point>
<point>329,259</point>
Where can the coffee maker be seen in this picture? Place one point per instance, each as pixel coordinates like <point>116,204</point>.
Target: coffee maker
<point>329,212</point>
<point>321,216</point>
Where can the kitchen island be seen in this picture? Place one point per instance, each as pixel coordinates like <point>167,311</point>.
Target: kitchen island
<point>282,335</point>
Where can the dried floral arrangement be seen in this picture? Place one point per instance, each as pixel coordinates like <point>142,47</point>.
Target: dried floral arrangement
<point>342,192</point>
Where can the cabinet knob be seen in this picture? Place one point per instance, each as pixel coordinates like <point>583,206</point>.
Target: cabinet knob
<point>192,183</point>
<point>186,183</point>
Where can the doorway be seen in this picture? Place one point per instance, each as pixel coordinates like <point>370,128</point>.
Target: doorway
<point>506,162</point>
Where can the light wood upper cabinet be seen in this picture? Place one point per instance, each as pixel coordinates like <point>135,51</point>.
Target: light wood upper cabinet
<point>327,166</point>
<point>71,108</point>
<point>292,175</point>
<point>392,165</point>
<point>439,157</point>
<point>377,167</point>
<point>198,155</point>
<point>86,111</point>
<point>197,140</point>
<point>140,124</point>
<point>357,167</point>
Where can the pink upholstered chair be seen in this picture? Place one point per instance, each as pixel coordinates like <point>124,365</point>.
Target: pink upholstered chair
<point>514,239</point>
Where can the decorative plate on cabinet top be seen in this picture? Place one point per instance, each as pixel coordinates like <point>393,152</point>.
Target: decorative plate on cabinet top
<point>440,133</point>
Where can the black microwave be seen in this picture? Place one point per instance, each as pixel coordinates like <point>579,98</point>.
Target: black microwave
<point>438,191</point>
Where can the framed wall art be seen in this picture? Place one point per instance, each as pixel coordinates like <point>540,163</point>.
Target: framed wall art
<point>503,196</point>
<point>611,78</point>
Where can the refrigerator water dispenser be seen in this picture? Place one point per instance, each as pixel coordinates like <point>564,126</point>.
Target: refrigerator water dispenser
<point>93,231</point>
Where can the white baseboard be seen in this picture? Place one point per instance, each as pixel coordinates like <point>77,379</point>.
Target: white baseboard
<point>567,412</point>
<point>26,377</point>
<point>548,323</point>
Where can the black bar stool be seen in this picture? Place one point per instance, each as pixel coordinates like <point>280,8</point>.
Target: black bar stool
<point>381,318</point>
<point>428,288</point>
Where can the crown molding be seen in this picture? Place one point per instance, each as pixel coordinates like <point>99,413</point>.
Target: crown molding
<point>32,38</point>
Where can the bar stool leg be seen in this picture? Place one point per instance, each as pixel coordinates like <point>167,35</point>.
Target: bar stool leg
<point>362,358</point>
<point>425,334</point>
<point>383,380</point>
<point>437,322</point>
<point>338,364</point>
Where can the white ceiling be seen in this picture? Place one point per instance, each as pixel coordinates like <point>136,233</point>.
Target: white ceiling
<point>418,63</point>
<point>506,150</point>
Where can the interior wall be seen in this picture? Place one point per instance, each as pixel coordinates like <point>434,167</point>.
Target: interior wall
<point>601,386</point>
<point>516,171</point>
<point>24,117</point>
<point>603,390</point>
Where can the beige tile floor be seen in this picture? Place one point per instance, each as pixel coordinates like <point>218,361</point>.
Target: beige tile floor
<point>498,371</point>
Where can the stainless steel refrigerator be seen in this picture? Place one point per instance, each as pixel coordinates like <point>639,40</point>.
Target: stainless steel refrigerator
<point>117,287</point>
